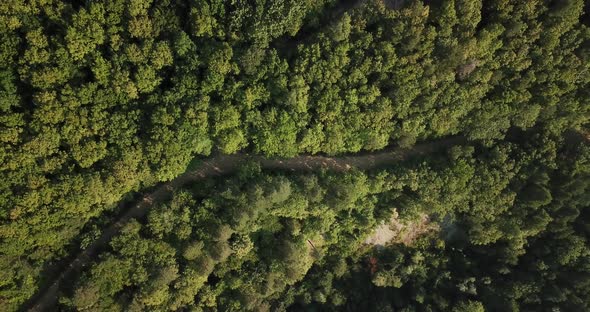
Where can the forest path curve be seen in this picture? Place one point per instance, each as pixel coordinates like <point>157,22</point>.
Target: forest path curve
<point>221,165</point>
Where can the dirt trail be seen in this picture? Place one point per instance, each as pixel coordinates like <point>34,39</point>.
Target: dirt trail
<point>223,165</point>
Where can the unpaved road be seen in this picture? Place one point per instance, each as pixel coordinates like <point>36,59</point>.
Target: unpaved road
<point>223,165</point>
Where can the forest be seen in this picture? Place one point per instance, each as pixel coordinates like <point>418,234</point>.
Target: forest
<point>103,102</point>
<point>272,241</point>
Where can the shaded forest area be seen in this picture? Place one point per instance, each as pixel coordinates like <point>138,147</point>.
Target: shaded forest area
<point>513,235</point>
<point>108,226</point>
<point>99,99</point>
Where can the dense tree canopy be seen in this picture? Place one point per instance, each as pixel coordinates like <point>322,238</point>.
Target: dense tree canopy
<point>511,233</point>
<point>99,99</point>
<point>503,248</point>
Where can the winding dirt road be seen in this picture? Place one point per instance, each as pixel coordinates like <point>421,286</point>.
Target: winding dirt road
<point>47,296</point>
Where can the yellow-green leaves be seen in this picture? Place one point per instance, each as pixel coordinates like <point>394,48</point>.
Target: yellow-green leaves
<point>86,31</point>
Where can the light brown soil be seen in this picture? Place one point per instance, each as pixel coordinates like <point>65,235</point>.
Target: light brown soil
<point>224,165</point>
<point>397,231</point>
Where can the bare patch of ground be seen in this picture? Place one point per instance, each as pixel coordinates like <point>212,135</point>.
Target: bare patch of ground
<point>466,69</point>
<point>397,231</point>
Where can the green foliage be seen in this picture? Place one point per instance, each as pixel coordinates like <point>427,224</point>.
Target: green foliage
<point>102,98</point>
<point>469,306</point>
<point>244,229</point>
<point>490,255</point>
<point>284,240</point>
